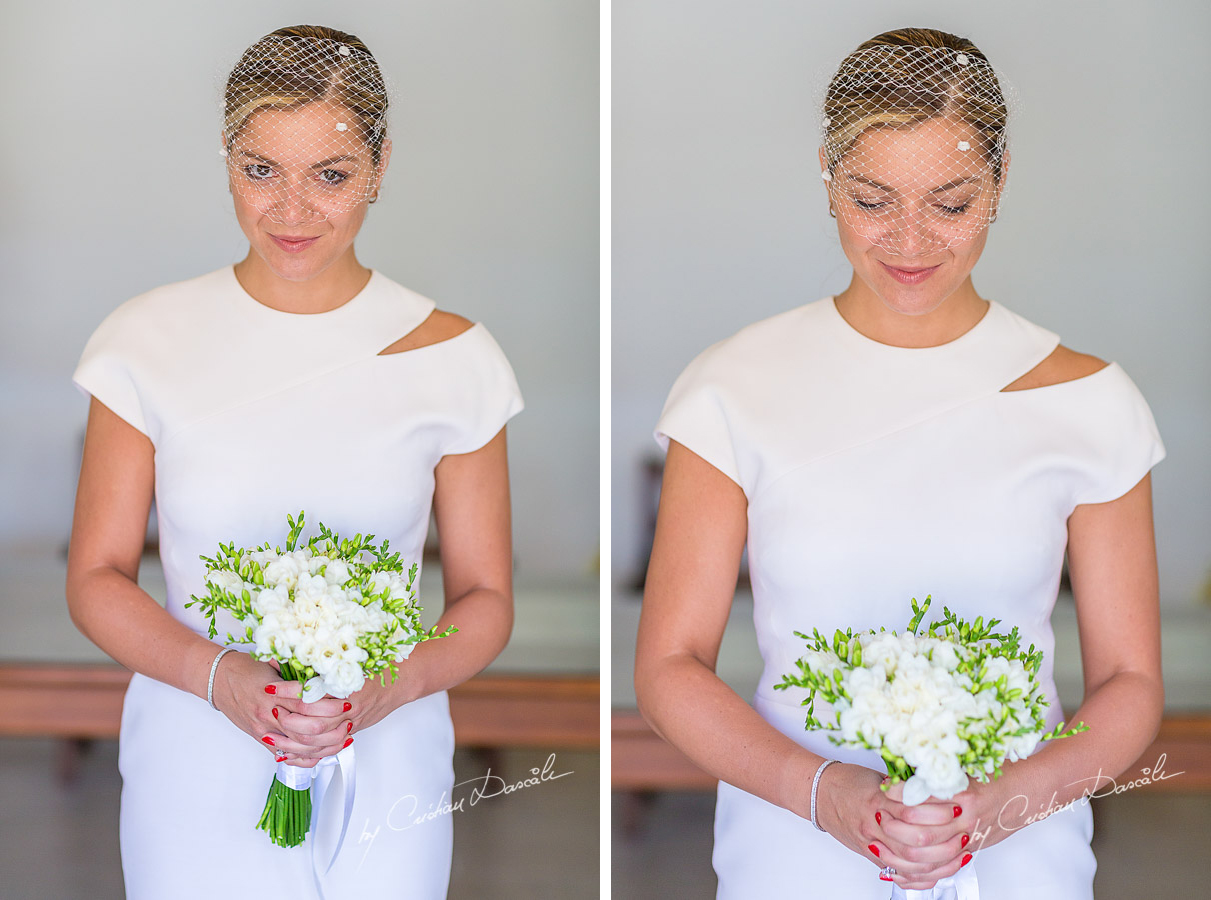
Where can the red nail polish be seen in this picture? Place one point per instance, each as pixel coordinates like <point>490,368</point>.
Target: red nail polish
<point>348,727</point>
<point>873,849</point>
<point>271,689</point>
<point>885,878</point>
<point>268,740</point>
<point>966,860</point>
<point>279,759</point>
<point>275,712</point>
<point>878,818</point>
<point>958,811</point>
<point>348,706</point>
<point>348,741</point>
<point>963,843</point>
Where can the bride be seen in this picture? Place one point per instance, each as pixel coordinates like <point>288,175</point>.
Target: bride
<point>295,379</point>
<point>905,437</point>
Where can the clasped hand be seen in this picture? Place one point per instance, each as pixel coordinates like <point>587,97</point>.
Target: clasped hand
<point>254,697</point>
<point>923,843</point>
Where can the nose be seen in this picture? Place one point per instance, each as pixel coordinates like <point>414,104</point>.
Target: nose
<point>913,233</point>
<point>291,204</point>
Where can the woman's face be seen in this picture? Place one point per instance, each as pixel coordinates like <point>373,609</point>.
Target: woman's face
<point>301,184</point>
<point>912,207</point>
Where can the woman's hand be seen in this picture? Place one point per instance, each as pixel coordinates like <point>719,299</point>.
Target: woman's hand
<point>252,695</point>
<point>922,843</point>
<point>307,732</point>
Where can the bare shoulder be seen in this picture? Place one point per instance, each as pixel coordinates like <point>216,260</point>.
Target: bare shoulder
<point>439,326</point>
<point>1064,364</point>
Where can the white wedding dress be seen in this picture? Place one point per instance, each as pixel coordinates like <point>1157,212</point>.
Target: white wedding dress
<point>256,413</point>
<point>875,474</point>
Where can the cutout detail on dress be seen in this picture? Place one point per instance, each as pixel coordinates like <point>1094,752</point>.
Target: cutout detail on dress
<point>438,326</point>
<point>1062,365</point>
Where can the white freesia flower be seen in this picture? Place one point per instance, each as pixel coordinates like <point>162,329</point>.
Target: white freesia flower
<point>284,571</point>
<point>337,572</point>
<point>224,580</point>
<point>263,557</point>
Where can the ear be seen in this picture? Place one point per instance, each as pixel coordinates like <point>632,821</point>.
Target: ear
<point>1003,182</point>
<point>384,157</point>
<point>828,194</point>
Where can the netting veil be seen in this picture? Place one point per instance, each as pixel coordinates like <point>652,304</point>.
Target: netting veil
<point>914,144</point>
<point>304,125</point>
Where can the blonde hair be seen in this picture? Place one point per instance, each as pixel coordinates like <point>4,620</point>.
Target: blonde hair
<point>898,90</point>
<point>290,67</point>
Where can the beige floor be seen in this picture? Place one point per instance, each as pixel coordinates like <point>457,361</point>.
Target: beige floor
<point>1149,847</point>
<point>60,842</point>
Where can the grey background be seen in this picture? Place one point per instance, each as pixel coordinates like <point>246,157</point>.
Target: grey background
<point>720,219</point>
<point>112,185</point>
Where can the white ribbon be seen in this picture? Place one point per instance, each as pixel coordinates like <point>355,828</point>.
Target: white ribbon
<point>300,779</point>
<point>962,885</point>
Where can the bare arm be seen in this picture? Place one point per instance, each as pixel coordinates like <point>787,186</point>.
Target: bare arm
<point>103,596</point>
<point>1112,563</point>
<point>471,505</point>
<point>113,500</point>
<point>700,534</point>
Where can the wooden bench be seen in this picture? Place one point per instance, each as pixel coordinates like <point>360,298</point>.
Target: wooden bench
<point>81,701</point>
<point>642,761</point>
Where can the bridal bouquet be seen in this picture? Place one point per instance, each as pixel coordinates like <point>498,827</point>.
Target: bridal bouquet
<point>941,706</point>
<point>332,613</point>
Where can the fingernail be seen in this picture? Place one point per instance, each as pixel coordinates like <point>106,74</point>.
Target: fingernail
<point>958,811</point>
<point>271,689</point>
<point>878,818</point>
<point>873,849</point>
<point>348,741</point>
<point>279,759</point>
<point>275,712</point>
<point>348,706</point>
<point>268,740</point>
<point>885,878</point>
<point>966,860</point>
<point>963,843</point>
<point>348,727</point>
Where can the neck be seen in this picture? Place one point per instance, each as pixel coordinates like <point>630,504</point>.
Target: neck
<point>334,286</point>
<point>870,315</point>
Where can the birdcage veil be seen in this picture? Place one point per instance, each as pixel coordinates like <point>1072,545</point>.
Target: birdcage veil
<point>915,145</point>
<point>305,127</point>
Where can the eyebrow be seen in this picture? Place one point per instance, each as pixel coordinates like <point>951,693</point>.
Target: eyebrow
<point>319,165</point>
<point>950,184</point>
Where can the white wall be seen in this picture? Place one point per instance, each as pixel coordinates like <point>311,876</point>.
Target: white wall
<point>720,219</point>
<point>112,185</point>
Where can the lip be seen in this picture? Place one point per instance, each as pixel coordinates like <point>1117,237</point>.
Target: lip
<point>293,245</point>
<point>910,276</point>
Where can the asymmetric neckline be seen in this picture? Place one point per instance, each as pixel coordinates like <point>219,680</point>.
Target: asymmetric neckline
<point>985,323</point>
<point>372,285</point>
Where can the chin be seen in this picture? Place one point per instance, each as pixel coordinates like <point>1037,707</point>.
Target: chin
<point>911,303</point>
<point>293,268</point>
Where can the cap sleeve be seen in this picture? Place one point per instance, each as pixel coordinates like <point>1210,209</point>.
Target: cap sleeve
<point>106,371</point>
<point>695,416</point>
<point>1123,444</point>
<point>490,395</point>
